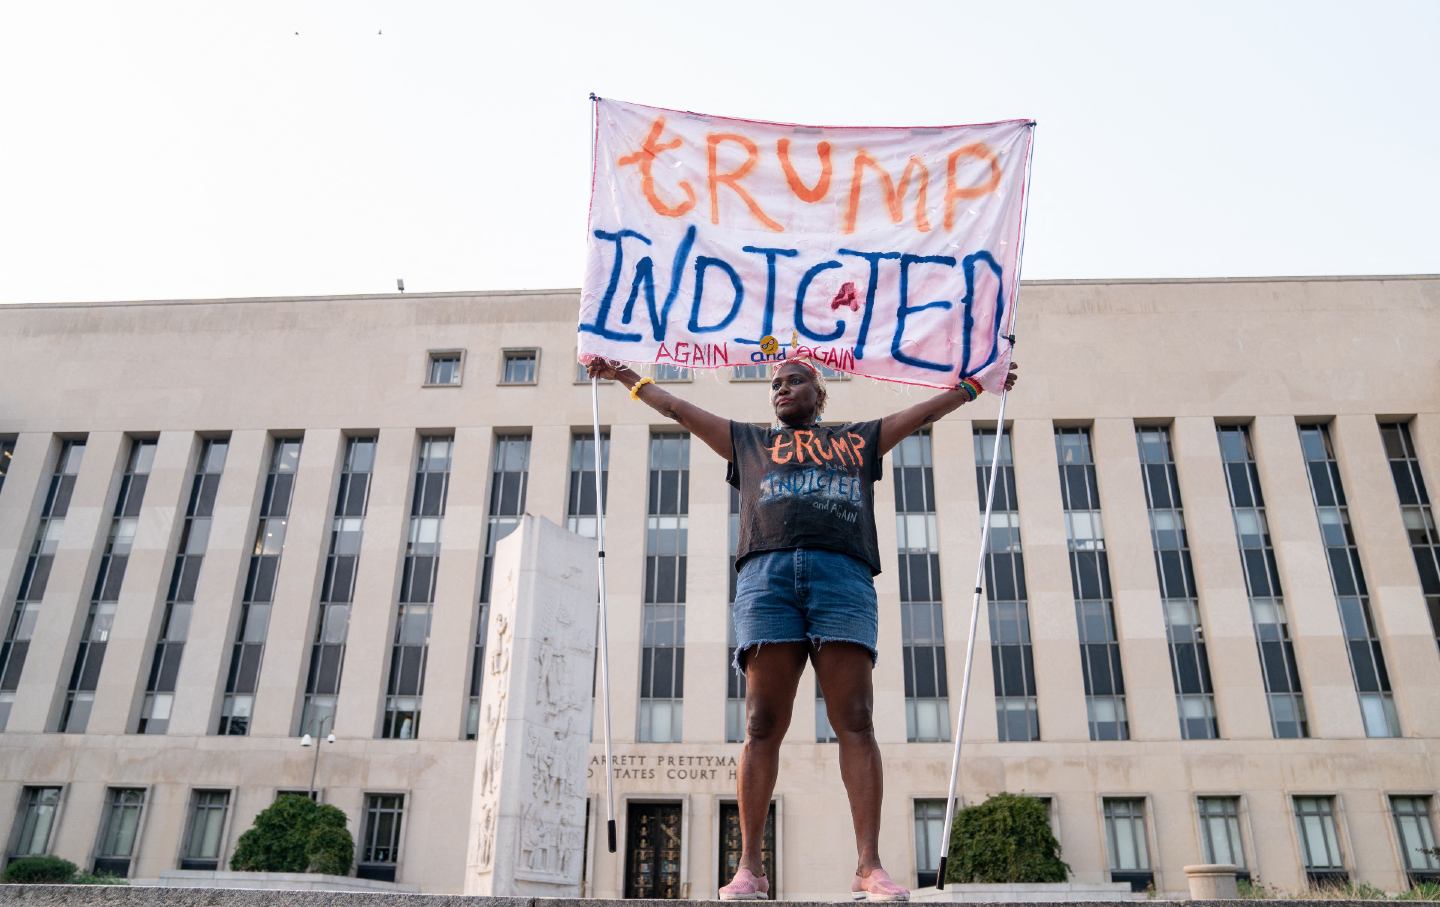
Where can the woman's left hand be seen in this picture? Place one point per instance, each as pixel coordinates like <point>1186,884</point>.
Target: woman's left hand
<point>1011,376</point>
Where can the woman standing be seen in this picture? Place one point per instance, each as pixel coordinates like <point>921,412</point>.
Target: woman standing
<point>807,556</point>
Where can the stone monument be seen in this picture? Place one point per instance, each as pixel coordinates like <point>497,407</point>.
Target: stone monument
<point>528,809</point>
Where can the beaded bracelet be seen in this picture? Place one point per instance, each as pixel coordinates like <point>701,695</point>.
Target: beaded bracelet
<point>635,388</point>
<point>971,387</point>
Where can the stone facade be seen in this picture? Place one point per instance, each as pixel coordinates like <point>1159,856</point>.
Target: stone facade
<point>1109,356</point>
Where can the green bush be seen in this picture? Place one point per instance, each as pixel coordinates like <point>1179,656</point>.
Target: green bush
<point>296,834</point>
<point>1005,839</point>
<point>39,871</point>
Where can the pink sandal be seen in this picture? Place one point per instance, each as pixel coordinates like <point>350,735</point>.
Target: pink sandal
<point>746,886</point>
<point>877,886</point>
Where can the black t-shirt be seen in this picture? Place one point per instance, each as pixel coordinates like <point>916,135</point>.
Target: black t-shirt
<point>807,488</point>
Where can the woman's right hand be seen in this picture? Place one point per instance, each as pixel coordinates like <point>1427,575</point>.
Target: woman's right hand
<point>604,369</point>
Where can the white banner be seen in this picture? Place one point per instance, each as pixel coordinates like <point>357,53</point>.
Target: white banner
<point>891,252</point>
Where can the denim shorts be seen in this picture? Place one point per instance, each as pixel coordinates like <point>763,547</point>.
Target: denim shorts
<point>804,595</point>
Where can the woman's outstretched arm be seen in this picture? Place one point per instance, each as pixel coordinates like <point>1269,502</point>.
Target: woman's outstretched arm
<point>894,427</point>
<point>703,424</point>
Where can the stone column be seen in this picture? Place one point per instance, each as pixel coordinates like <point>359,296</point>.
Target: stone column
<point>1224,602</point>
<point>297,586</point>
<point>528,807</point>
<point>222,582</point>
<point>1059,676</point>
<point>147,578</point>
<point>1331,707</point>
<point>957,515</point>
<point>67,596</point>
<point>1139,616</point>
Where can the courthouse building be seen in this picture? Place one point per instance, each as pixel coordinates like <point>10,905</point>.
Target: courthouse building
<point>1209,631</point>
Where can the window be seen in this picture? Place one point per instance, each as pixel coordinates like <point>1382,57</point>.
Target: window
<point>664,371</point>
<point>26,610</point>
<point>824,731</point>
<point>1189,661</point>
<point>1347,580</point>
<point>1126,843</point>
<point>520,366</point>
<point>1278,666</point>
<point>759,372</point>
<point>337,589</point>
<point>184,578</point>
<point>35,821</point>
<point>509,481</point>
<point>735,718</point>
<point>380,844</point>
<point>922,619</point>
<point>929,838</point>
<point>1319,840</point>
<point>119,829</point>
<point>1416,832</point>
<point>1090,580</point>
<point>1012,658</point>
<point>1220,831</point>
<point>582,375</point>
<point>662,654</point>
<point>205,837</point>
<point>90,655</point>
<point>1417,512</point>
<point>445,368</point>
<point>7,454</point>
<point>410,647</point>
<point>249,646</point>
<point>580,500</point>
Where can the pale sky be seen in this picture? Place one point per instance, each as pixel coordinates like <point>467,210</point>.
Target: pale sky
<point>204,149</point>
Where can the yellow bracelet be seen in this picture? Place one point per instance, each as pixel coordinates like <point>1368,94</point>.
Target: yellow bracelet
<point>635,390</point>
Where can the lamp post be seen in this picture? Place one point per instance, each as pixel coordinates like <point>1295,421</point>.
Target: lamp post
<point>307,740</point>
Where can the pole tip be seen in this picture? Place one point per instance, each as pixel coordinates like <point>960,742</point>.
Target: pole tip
<point>940,878</point>
<point>610,830</point>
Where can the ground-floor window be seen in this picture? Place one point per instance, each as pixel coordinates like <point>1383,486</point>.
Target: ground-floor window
<point>929,838</point>
<point>205,837</point>
<point>730,845</point>
<point>1126,842</point>
<point>38,806</point>
<point>119,829</point>
<point>652,850</point>
<point>380,844</point>
<point>1417,837</point>
<point>1319,840</point>
<point>1220,832</point>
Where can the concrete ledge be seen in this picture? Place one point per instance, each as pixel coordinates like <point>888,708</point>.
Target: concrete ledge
<point>149,896</point>
<point>1030,893</point>
<point>269,881</point>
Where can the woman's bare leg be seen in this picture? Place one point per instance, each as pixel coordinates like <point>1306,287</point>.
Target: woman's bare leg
<point>844,671</point>
<point>772,672</point>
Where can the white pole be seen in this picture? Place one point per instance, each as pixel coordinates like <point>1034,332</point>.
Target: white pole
<point>970,641</point>
<point>604,617</point>
<point>985,533</point>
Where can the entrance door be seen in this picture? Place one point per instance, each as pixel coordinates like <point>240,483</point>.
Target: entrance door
<point>652,851</point>
<point>730,845</point>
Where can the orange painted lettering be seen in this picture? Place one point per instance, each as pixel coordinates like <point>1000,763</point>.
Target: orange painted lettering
<point>857,444</point>
<point>803,192</point>
<point>645,157</point>
<point>733,178</point>
<point>802,444</point>
<point>780,445</point>
<point>954,193</point>
<point>820,447</point>
<point>894,197</point>
<point>842,450</point>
